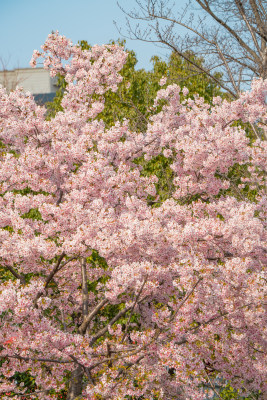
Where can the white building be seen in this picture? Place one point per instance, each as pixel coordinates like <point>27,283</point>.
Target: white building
<point>34,80</point>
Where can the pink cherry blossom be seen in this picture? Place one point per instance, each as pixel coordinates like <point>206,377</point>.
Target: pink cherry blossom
<point>175,287</point>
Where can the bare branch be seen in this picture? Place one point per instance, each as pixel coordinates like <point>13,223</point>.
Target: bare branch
<point>66,262</point>
<point>105,329</point>
<point>238,36</point>
<point>49,278</point>
<point>111,359</point>
<point>243,14</point>
<point>213,386</point>
<point>257,133</point>
<point>228,68</point>
<point>233,33</point>
<point>260,24</point>
<point>60,197</point>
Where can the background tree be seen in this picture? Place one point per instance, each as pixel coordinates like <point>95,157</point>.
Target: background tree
<point>230,35</point>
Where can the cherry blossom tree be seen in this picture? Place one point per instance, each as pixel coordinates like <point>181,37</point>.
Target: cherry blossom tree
<point>106,294</point>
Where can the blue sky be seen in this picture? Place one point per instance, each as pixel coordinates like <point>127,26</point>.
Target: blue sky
<point>25,24</point>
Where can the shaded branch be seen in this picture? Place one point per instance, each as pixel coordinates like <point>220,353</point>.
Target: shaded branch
<point>15,273</point>
<point>85,304</point>
<point>112,321</point>
<point>132,310</point>
<point>54,271</point>
<point>17,356</point>
<point>49,278</point>
<point>88,319</point>
<point>185,299</point>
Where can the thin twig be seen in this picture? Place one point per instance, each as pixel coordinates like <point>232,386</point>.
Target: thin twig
<point>132,310</point>
<point>185,299</point>
<point>213,387</point>
<point>49,278</point>
<point>85,305</point>
<point>18,357</point>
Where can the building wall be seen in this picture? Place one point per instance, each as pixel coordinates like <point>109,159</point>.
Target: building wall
<point>36,81</point>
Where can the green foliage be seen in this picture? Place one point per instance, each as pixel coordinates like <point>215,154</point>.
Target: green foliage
<point>234,176</point>
<point>25,381</point>
<point>34,213</point>
<point>137,91</point>
<point>28,190</point>
<point>159,166</point>
<point>5,275</point>
<point>179,71</point>
<point>55,106</point>
<point>229,393</point>
<point>96,260</point>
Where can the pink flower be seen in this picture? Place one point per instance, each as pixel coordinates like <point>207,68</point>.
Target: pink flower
<point>163,81</point>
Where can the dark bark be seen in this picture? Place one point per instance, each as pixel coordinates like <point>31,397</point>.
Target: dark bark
<point>75,386</point>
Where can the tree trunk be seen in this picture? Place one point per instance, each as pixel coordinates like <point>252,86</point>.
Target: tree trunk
<point>75,387</point>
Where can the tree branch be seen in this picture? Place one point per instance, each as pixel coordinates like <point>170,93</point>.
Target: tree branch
<point>199,67</point>
<point>185,299</point>
<point>88,319</point>
<point>114,319</point>
<point>17,356</point>
<point>15,273</point>
<point>229,29</point>
<point>243,15</point>
<point>49,278</point>
<point>132,310</point>
<point>84,288</point>
<point>54,271</point>
<point>228,69</point>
